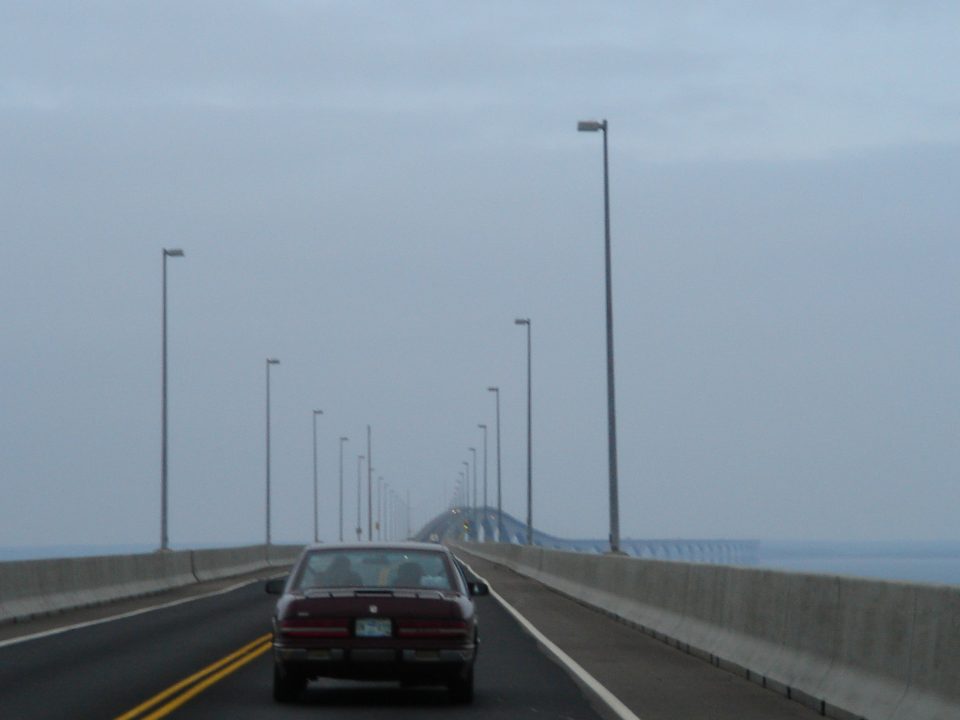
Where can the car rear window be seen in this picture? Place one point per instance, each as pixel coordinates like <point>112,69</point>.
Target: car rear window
<point>420,569</point>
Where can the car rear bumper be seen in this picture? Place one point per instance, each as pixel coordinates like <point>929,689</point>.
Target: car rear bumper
<point>405,663</point>
<point>374,655</point>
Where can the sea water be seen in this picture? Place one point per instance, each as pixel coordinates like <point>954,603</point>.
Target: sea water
<point>909,561</point>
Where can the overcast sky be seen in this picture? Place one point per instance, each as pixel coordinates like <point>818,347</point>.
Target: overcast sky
<point>372,192</point>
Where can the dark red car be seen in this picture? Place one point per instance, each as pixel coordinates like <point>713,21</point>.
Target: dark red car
<point>400,611</point>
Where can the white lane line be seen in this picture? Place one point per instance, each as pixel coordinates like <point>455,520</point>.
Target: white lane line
<point>132,613</point>
<point>604,695</point>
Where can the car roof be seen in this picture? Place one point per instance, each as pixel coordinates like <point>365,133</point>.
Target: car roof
<point>396,546</point>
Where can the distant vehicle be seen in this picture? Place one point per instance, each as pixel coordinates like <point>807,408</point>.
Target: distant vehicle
<point>434,538</point>
<point>400,611</point>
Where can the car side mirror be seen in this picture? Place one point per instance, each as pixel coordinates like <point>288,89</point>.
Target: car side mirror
<point>275,586</point>
<point>478,588</point>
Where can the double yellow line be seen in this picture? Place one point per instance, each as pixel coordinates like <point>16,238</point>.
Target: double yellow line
<point>176,695</point>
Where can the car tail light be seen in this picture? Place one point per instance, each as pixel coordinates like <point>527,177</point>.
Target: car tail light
<point>315,627</point>
<point>431,628</point>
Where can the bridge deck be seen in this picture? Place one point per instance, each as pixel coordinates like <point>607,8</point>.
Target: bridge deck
<point>656,681</point>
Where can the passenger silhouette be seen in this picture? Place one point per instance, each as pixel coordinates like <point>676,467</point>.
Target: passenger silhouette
<point>340,574</point>
<point>409,574</point>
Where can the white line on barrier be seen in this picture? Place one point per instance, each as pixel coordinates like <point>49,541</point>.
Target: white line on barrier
<point>604,695</point>
<point>121,616</point>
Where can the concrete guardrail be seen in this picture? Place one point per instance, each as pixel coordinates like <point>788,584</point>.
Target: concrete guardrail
<point>29,588</point>
<point>847,647</point>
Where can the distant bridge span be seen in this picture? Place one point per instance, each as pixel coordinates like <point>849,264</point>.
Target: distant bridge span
<point>479,524</point>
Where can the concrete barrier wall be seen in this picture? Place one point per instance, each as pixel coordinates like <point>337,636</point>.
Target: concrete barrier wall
<point>224,562</point>
<point>35,587</point>
<point>38,587</point>
<point>847,647</point>
<point>284,555</point>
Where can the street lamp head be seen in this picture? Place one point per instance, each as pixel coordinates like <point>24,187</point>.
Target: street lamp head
<point>318,412</point>
<point>493,389</point>
<point>591,125</point>
<point>481,426</point>
<point>272,361</point>
<point>173,252</point>
<point>344,439</point>
<point>472,449</point>
<point>522,321</point>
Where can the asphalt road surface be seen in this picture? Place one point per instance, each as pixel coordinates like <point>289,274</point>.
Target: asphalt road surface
<point>210,658</point>
<point>219,645</point>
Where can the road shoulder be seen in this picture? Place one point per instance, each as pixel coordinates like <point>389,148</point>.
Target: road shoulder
<point>103,612</point>
<point>654,680</point>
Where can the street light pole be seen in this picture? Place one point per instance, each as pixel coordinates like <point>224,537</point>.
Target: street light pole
<point>316,523</point>
<point>369,488</point>
<point>342,441</point>
<point>484,428</point>
<point>387,526</point>
<point>594,126</point>
<point>526,321</point>
<point>476,529</point>
<point>388,498</point>
<point>398,513</point>
<point>496,391</point>
<point>359,487</point>
<point>164,538</point>
<point>379,508</point>
<point>466,494</point>
<point>270,361</point>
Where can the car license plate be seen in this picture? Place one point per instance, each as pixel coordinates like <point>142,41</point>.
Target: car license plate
<point>373,627</point>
